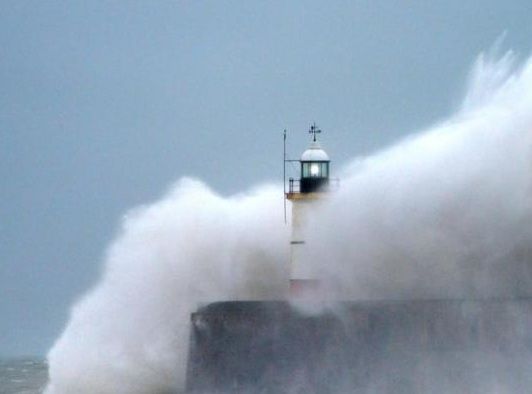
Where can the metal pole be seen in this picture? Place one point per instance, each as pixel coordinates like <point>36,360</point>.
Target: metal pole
<point>284,174</point>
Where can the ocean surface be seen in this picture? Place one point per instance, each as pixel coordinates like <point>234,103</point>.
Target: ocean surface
<point>23,376</point>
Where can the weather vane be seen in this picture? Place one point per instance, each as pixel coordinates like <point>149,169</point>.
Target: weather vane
<point>314,130</point>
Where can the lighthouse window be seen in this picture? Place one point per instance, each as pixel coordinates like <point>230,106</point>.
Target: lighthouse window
<point>306,170</point>
<point>315,169</point>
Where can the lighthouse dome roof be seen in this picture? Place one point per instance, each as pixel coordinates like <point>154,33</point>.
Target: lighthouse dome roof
<point>315,153</point>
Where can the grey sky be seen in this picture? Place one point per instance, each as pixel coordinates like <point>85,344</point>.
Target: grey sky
<point>104,104</point>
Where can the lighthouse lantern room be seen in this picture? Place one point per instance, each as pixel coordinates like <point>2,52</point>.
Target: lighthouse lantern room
<point>314,166</point>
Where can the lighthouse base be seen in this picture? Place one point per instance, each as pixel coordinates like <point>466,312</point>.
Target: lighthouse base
<point>437,346</point>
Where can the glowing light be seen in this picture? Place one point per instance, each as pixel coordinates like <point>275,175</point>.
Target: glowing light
<point>315,169</point>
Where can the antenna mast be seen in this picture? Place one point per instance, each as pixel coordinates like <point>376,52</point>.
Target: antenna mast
<point>284,174</point>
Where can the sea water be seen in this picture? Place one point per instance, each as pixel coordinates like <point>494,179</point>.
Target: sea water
<point>23,376</point>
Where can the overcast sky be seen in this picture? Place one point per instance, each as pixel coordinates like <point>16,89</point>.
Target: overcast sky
<point>103,105</point>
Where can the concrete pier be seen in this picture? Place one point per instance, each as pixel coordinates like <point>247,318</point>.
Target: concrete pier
<point>362,347</point>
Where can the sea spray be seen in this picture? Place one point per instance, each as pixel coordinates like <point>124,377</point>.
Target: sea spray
<point>445,213</point>
<point>129,334</point>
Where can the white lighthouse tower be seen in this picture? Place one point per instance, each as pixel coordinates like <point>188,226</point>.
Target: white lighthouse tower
<point>304,194</point>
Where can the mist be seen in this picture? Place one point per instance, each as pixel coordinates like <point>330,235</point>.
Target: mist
<point>443,214</point>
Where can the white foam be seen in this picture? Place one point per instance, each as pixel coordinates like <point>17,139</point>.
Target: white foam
<point>129,334</point>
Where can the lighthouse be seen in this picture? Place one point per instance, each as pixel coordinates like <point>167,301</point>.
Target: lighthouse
<point>304,194</point>
<point>268,346</point>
